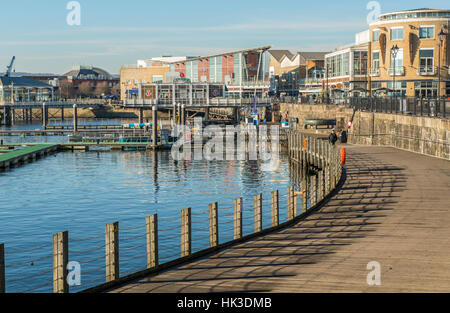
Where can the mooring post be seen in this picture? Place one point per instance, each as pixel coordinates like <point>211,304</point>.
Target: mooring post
<point>151,226</point>
<point>75,118</point>
<point>275,208</point>
<point>112,251</point>
<point>290,201</point>
<point>44,116</point>
<point>60,261</point>
<point>155,127</point>
<point>2,268</point>
<point>258,213</point>
<point>237,207</point>
<point>213,225</point>
<point>141,115</point>
<point>186,232</point>
<point>62,114</point>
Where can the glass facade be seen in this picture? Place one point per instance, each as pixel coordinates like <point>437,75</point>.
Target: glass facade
<point>237,69</point>
<point>360,62</point>
<point>338,65</point>
<point>398,16</point>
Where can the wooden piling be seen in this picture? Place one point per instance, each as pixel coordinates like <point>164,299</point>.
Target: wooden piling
<point>154,126</point>
<point>186,232</point>
<point>151,226</point>
<point>75,119</point>
<point>237,207</point>
<point>275,208</point>
<point>213,225</point>
<point>2,268</point>
<point>304,204</point>
<point>112,251</point>
<point>258,213</point>
<point>60,261</point>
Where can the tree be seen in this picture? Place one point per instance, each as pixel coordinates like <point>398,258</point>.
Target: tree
<point>67,90</point>
<point>85,89</point>
<point>101,89</point>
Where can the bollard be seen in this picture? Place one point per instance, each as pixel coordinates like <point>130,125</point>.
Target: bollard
<point>186,232</point>
<point>112,251</point>
<point>213,225</point>
<point>275,208</point>
<point>258,213</point>
<point>151,226</point>
<point>60,261</point>
<point>237,206</point>
<point>2,268</point>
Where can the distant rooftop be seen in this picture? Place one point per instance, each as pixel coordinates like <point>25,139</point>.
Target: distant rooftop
<point>22,82</point>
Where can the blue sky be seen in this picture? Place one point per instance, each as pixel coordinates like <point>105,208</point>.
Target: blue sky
<point>114,33</point>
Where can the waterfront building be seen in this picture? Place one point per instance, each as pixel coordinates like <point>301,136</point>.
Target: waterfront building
<point>24,90</point>
<point>346,69</point>
<point>87,81</point>
<point>243,72</point>
<point>294,73</point>
<point>416,35</point>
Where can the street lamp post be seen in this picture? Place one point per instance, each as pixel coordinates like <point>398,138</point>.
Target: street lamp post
<point>394,52</point>
<point>442,37</point>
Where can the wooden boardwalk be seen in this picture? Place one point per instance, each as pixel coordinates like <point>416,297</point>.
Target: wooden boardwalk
<point>394,208</point>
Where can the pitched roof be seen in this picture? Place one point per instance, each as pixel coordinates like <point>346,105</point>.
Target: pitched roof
<point>313,55</point>
<point>279,54</point>
<point>22,82</point>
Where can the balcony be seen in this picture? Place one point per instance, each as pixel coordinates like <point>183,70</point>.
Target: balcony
<point>398,71</point>
<point>373,72</point>
<point>426,71</point>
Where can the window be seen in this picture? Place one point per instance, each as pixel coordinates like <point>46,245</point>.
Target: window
<point>212,70</point>
<point>426,32</point>
<point>426,57</point>
<point>398,59</point>
<point>400,88</point>
<point>195,71</point>
<point>219,69</point>
<point>376,35</point>
<point>375,85</point>
<point>425,89</point>
<point>376,60</point>
<point>360,62</point>
<point>397,33</point>
<point>157,79</point>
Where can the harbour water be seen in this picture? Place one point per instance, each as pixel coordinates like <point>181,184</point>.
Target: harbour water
<point>81,192</point>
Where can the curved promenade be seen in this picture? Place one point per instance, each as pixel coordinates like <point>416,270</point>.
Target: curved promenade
<point>394,208</point>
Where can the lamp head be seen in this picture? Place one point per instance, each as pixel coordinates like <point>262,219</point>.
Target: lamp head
<point>442,35</point>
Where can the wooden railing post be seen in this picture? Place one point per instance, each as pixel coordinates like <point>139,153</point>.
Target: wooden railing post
<point>313,190</point>
<point>290,201</point>
<point>275,208</point>
<point>237,207</point>
<point>304,204</point>
<point>112,251</point>
<point>258,213</point>
<point>151,226</point>
<point>186,232</point>
<point>213,225</point>
<point>60,261</point>
<point>2,268</point>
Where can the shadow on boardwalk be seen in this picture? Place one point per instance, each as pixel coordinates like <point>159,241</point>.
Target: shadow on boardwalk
<point>328,251</point>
